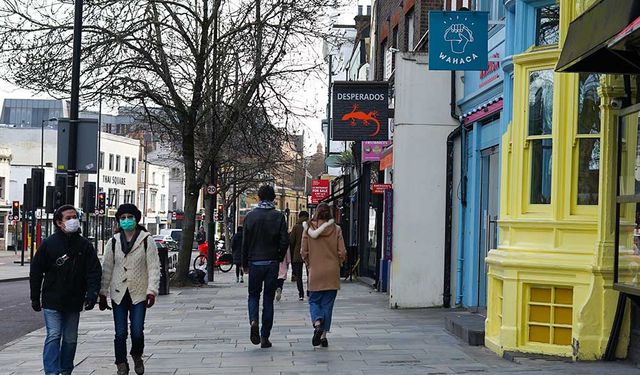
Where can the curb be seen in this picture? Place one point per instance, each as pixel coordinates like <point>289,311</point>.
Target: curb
<point>14,279</point>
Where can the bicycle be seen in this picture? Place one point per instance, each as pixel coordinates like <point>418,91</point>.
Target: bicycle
<point>224,261</point>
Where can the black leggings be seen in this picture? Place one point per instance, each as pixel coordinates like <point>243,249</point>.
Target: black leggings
<point>239,270</point>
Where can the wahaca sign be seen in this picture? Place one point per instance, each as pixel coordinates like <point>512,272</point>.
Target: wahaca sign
<point>360,111</point>
<point>458,40</point>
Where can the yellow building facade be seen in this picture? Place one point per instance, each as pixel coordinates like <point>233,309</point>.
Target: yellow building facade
<point>550,280</point>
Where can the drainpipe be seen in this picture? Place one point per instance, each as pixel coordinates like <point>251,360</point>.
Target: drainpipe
<point>446,300</point>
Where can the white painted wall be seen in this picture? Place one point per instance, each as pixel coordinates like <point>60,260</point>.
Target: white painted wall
<point>422,123</point>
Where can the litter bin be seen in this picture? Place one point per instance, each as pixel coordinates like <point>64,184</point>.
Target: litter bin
<point>163,254</point>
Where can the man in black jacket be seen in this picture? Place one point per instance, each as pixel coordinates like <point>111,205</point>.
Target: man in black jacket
<point>69,265</point>
<point>264,246</point>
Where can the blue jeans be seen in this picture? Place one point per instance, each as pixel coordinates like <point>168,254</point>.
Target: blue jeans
<point>62,327</point>
<point>267,275</point>
<point>134,313</point>
<point>321,307</point>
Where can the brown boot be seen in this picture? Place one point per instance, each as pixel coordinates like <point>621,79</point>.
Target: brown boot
<point>123,368</point>
<point>138,364</point>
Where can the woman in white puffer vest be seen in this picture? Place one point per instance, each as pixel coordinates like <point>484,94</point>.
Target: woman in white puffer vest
<point>131,276</point>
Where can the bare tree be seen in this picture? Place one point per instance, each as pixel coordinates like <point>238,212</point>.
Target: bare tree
<point>191,66</point>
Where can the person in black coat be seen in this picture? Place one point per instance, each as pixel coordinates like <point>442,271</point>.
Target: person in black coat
<point>265,242</point>
<point>64,277</point>
<point>236,248</point>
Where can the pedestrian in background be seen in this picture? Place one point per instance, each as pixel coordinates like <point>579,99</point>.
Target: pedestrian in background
<point>282,274</point>
<point>236,248</point>
<point>201,236</point>
<point>69,265</point>
<point>295,243</point>
<point>264,245</point>
<point>323,251</point>
<point>131,277</point>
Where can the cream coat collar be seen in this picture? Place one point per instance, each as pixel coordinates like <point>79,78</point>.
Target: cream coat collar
<point>315,233</point>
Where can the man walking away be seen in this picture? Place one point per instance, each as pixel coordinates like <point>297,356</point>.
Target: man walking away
<point>69,266</point>
<point>264,245</point>
<point>295,241</point>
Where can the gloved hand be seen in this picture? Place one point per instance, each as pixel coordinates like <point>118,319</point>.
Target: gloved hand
<point>35,305</point>
<point>102,304</point>
<point>151,300</point>
<point>89,303</point>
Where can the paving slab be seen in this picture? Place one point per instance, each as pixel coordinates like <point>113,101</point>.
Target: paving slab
<point>205,331</point>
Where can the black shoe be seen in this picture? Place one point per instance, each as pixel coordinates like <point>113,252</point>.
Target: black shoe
<point>317,333</point>
<point>255,334</point>
<point>265,343</point>
<point>324,343</point>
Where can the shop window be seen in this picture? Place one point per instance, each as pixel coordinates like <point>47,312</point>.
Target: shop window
<point>550,315</point>
<point>547,25</point>
<point>539,137</point>
<point>588,139</point>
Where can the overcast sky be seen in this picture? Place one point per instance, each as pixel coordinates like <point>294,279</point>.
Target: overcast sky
<point>314,92</point>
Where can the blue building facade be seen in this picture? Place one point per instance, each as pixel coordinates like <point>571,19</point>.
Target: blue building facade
<point>479,191</point>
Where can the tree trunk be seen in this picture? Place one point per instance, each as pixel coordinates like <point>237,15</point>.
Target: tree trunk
<point>225,222</point>
<point>188,228</point>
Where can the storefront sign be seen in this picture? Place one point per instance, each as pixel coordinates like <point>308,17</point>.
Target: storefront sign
<point>115,180</point>
<point>319,190</point>
<point>380,188</point>
<point>458,40</point>
<point>386,161</point>
<point>372,150</point>
<point>388,224</point>
<point>360,111</point>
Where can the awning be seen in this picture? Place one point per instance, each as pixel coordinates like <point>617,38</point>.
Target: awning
<point>586,47</point>
<point>487,109</point>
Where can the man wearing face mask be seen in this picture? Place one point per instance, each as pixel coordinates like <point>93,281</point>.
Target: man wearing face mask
<point>64,277</point>
<point>131,277</point>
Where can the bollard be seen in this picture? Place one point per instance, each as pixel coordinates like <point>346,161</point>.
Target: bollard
<point>163,254</point>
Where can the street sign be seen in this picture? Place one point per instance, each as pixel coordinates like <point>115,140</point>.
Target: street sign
<point>380,188</point>
<point>360,111</point>
<point>458,40</point>
<point>211,190</point>
<point>319,190</point>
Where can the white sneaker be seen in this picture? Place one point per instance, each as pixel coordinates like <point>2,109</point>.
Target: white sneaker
<point>278,294</point>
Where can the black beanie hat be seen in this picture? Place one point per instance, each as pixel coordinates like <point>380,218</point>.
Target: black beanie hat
<point>128,208</point>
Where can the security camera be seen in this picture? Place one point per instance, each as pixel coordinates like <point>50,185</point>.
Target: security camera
<point>616,103</point>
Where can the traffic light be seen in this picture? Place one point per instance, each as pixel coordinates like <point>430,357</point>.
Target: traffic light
<point>220,213</point>
<point>37,187</point>
<point>15,210</point>
<point>50,196</point>
<point>61,190</point>
<point>89,197</point>
<point>102,203</point>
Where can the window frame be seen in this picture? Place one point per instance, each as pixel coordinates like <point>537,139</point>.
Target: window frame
<point>528,206</point>
<point>582,209</point>
<point>118,159</point>
<point>126,164</point>
<point>536,9</point>
<point>111,162</point>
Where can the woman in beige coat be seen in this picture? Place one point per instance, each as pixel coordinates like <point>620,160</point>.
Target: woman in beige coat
<point>323,252</point>
<point>131,277</point>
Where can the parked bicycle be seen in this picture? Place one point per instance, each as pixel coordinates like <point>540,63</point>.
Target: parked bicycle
<point>224,260</point>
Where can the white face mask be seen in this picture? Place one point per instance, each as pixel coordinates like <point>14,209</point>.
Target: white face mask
<point>71,225</point>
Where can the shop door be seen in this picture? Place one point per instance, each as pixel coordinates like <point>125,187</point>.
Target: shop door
<point>490,180</point>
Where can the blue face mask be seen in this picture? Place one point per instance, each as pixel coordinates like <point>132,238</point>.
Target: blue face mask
<point>128,224</point>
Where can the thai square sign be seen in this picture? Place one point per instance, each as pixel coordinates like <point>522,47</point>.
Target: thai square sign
<point>360,111</point>
<point>458,40</point>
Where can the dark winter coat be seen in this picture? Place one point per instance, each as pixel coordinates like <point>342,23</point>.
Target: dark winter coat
<point>236,248</point>
<point>295,242</point>
<point>264,236</point>
<point>65,286</point>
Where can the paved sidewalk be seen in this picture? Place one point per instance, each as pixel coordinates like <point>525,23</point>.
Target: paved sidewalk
<point>205,331</point>
<point>10,270</point>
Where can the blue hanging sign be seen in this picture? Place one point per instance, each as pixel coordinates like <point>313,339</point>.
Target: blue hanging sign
<point>458,40</point>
